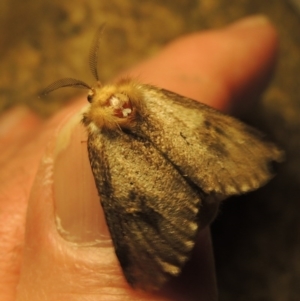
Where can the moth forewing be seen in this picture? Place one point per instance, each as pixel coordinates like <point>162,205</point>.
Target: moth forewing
<point>218,153</point>
<point>151,211</point>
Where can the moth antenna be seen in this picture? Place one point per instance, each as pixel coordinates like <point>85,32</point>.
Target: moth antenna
<point>64,82</point>
<point>94,52</point>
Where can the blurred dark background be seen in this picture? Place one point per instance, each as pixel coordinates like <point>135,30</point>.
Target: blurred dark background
<point>256,237</point>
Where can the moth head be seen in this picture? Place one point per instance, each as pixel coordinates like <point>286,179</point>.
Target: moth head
<point>117,103</point>
<point>114,106</point>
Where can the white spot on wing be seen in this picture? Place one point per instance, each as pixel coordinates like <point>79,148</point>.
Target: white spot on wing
<point>193,226</point>
<point>169,268</point>
<point>189,244</point>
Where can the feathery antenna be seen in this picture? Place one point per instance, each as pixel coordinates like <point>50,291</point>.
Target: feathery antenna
<point>64,82</point>
<point>94,52</point>
<point>72,82</point>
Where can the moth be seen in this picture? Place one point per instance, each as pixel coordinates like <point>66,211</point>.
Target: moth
<point>162,163</point>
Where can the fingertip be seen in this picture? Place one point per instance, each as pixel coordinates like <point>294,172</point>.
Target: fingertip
<point>216,67</point>
<point>255,22</point>
<point>252,65</point>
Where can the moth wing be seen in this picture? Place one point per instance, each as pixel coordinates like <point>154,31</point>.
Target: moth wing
<point>218,153</point>
<point>151,211</point>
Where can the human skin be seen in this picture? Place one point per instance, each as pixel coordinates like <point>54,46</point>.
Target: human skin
<point>54,244</point>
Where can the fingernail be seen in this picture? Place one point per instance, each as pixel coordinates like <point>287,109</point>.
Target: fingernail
<point>79,215</point>
<point>250,22</point>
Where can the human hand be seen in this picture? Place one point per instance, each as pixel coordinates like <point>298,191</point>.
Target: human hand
<point>54,242</point>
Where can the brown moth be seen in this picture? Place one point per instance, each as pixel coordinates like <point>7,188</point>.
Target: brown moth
<point>161,163</point>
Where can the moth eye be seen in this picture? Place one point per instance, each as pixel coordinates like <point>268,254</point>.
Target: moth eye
<point>90,97</point>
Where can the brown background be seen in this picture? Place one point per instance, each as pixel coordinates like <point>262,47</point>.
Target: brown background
<point>257,237</point>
